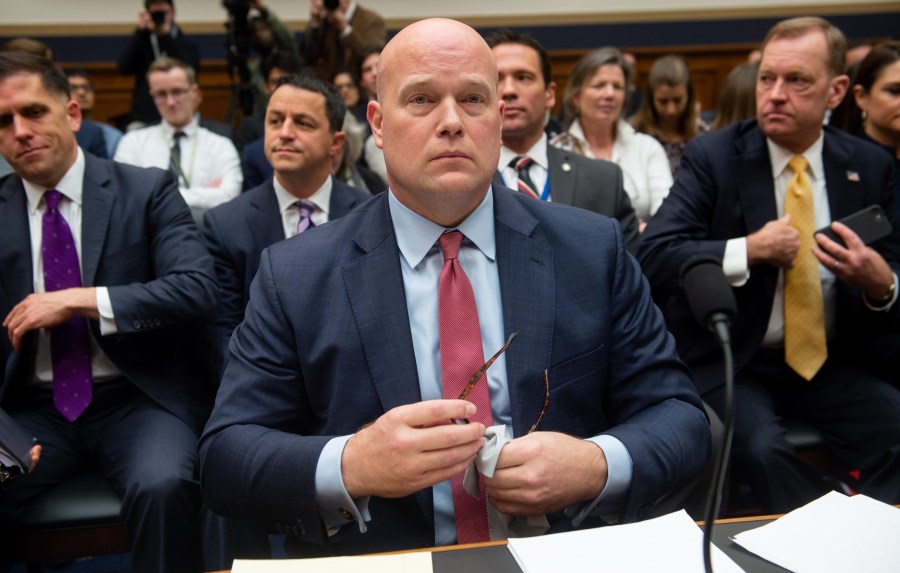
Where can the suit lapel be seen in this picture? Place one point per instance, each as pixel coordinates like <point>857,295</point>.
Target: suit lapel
<point>342,200</point>
<point>844,194</point>
<point>374,284</point>
<point>98,200</point>
<point>16,271</point>
<point>753,173</point>
<point>525,265</point>
<point>264,218</point>
<point>562,180</point>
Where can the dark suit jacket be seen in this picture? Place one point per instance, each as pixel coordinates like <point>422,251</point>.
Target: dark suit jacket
<point>591,184</point>
<point>725,190</point>
<point>139,240</point>
<point>327,52</point>
<point>235,234</point>
<point>91,139</point>
<point>255,164</point>
<point>325,347</point>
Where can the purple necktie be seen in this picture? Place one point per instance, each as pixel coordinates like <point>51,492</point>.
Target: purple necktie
<point>306,210</point>
<point>70,349</point>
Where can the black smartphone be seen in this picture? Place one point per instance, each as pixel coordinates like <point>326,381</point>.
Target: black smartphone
<point>870,224</point>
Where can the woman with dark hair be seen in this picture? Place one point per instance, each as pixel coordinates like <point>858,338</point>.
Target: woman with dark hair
<point>737,99</point>
<point>876,92</point>
<point>668,109</point>
<point>593,106</point>
<point>348,85</point>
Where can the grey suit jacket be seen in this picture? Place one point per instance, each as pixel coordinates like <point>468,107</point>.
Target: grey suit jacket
<point>591,184</point>
<point>139,240</point>
<point>235,234</point>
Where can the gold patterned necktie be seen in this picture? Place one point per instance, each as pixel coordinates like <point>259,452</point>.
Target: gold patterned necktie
<point>805,348</point>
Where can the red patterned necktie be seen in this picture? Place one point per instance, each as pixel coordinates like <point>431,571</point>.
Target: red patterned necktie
<point>461,355</point>
<point>522,163</point>
<point>70,350</point>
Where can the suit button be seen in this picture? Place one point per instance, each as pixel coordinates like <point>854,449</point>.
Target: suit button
<point>345,513</point>
<point>157,322</point>
<point>137,324</point>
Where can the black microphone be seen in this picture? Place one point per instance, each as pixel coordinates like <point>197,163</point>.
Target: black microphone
<point>712,302</point>
<point>709,294</point>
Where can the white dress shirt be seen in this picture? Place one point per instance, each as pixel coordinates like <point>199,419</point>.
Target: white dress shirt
<point>645,168</point>
<point>70,207</point>
<point>539,170</point>
<point>210,162</point>
<point>290,212</point>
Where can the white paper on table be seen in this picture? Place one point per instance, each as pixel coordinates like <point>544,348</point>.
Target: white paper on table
<point>671,543</point>
<point>833,533</point>
<point>400,563</point>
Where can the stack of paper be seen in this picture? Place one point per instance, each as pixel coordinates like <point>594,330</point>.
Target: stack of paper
<point>672,543</point>
<point>834,533</point>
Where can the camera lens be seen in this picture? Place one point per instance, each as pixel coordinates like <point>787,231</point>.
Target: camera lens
<point>332,5</point>
<point>158,17</point>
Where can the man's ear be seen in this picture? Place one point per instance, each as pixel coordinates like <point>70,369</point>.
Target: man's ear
<point>337,141</point>
<point>550,95</point>
<point>374,115</point>
<point>74,113</point>
<point>838,90</point>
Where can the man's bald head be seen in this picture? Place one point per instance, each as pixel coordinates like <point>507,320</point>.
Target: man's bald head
<point>437,118</point>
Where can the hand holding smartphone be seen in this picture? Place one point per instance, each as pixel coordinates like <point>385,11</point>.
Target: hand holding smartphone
<point>870,224</point>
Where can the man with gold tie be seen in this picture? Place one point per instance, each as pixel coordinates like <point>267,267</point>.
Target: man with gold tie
<point>753,195</point>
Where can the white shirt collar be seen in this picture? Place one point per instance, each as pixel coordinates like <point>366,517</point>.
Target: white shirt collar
<point>71,185</point>
<point>538,154</point>
<point>416,235</point>
<point>780,158</point>
<point>351,11</point>
<point>321,198</point>
<point>189,130</point>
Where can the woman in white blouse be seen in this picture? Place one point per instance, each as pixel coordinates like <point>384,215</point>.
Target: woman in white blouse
<point>593,105</point>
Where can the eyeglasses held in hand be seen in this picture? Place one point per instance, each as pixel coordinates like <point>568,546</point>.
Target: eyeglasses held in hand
<point>480,373</point>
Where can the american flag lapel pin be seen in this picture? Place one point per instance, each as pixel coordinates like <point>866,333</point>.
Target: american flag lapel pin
<point>853,176</point>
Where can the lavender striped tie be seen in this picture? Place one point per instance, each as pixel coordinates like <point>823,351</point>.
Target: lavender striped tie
<point>306,210</point>
<point>70,349</point>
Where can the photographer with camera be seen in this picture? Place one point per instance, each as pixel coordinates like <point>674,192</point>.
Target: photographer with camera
<point>337,34</point>
<point>156,35</point>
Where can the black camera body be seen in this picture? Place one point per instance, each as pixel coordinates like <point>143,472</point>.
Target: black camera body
<point>331,5</point>
<point>158,17</point>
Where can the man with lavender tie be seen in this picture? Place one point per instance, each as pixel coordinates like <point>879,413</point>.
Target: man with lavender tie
<point>303,135</point>
<point>104,287</point>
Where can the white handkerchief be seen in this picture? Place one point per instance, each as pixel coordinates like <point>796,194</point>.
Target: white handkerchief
<point>502,526</point>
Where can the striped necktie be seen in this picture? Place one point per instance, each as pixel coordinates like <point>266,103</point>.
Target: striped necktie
<point>522,163</point>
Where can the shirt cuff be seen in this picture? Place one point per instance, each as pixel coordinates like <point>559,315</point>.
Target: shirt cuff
<point>336,507</point>
<point>619,468</point>
<point>882,306</point>
<point>105,309</point>
<point>734,261</point>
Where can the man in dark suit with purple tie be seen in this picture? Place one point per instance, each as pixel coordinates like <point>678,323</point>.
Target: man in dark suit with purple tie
<point>302,134</point>
<point>104,288</point>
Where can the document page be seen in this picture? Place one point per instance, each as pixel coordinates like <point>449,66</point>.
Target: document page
<point>671,543</point>
<point>404,563</point>
<point>834,533</point>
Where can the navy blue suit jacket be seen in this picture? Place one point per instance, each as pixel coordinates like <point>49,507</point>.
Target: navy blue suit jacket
<point>139,240</point>
<point>724,190</point>
<point>325,347</point>
<point>236,233</point>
